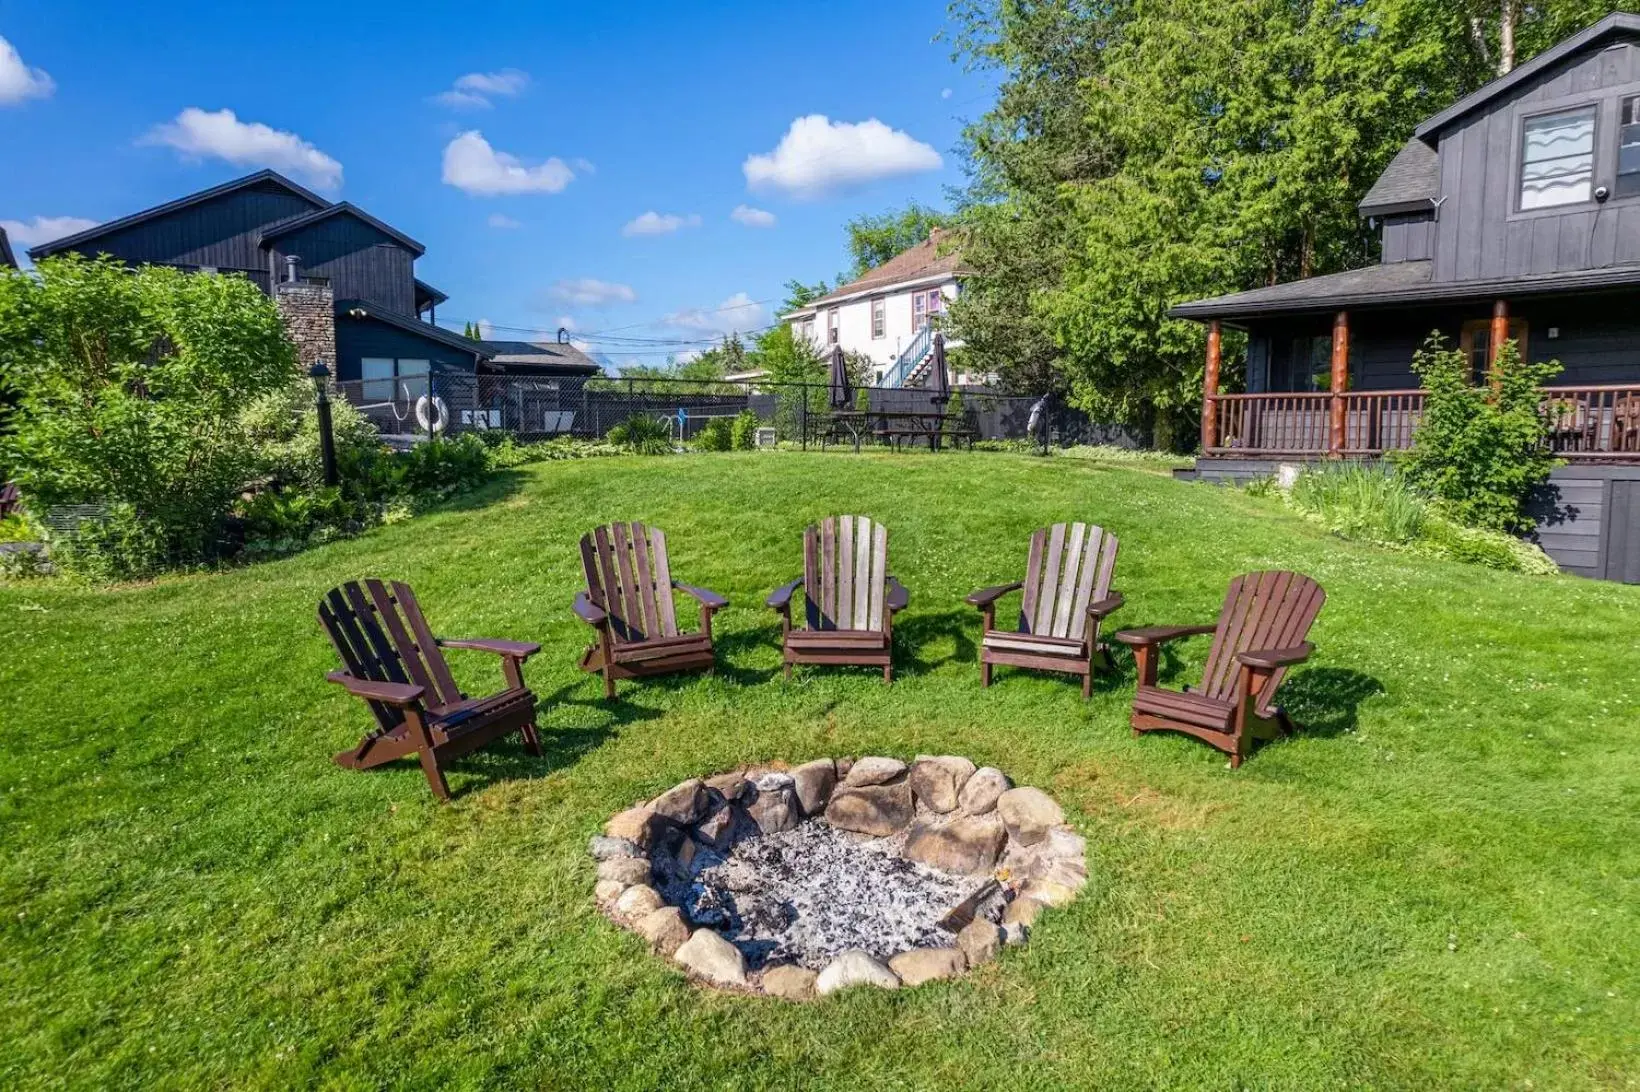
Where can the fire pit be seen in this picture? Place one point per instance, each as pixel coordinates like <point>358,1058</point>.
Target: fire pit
<point>836,873</point>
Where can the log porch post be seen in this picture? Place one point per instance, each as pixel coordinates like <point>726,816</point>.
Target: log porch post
<point>1210,388</point>
<point>1500,334</point>
<point>1340,380</point>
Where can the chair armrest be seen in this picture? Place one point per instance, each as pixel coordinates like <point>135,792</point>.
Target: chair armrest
<point>710,599</point>
<point>1272,658</point>
<point>1110,604</point>
<point>1156,635</point>
<point>390,693</point>
<point>780,599</point>
<point>518,650</point>
<point>588,611</point>
<point>897,597</point>
<point>986,596</point>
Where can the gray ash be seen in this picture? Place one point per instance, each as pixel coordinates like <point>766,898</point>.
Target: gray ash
<point>811,893</point>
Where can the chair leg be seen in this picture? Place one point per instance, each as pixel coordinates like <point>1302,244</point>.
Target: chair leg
<point>984,674</point>
<point>532,739</point>
<point>888,674</point>
<point>609,684</point>
<point>1087,684</point>
<point>435,776</point>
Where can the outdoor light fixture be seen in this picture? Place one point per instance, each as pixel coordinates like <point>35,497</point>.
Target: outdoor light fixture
<point>321,404</point>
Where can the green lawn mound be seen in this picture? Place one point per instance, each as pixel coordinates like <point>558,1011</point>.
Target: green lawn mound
<point>1432,886</point>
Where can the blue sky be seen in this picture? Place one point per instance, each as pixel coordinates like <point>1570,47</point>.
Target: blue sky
<point>609,112</point>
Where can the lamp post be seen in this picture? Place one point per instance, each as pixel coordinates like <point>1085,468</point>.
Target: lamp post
<point>321,404</point>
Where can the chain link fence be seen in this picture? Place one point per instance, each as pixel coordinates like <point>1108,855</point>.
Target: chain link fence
<point>529,407</point>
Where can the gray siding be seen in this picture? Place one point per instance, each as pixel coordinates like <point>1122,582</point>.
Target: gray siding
<point>1409,237</point>
<point>1479,234</point>
<point>356,339</point>
<point>1571,514</point>
<point>1621,552</point>
<point>221,232</point>
<point>361,262</point>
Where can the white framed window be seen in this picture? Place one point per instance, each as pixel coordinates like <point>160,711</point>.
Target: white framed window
<point>919,310</point>
<point>808,329</point>
<point>1628,148</point>
<point>1557,159</point>
<point>832,319</point>
<point>936,301</point>
<point>383,374</point>
<point>879,317</point>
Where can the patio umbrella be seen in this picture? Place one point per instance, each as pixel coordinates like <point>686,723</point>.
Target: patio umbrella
<point>939,380</point>
<point>842,391</point>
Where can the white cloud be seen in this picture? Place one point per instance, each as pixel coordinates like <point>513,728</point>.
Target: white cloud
<point>19,82</point>
<point>567,322</point>
<point>818,155</point>
<point>199,134</point>
<point>486,330</point>
<point>472,166</point>
<point>687,355</point>
<point>584,165</point>
<point>659,223</point>
<point>591,292</point>
<point>737,313</point>
<point>43,229</point>
<point>945,92</point>
<point>476,89</point>
<point>751,217</point>
<point>499,221</point>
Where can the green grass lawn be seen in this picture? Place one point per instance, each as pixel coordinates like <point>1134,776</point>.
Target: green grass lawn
<point>1434,886</point>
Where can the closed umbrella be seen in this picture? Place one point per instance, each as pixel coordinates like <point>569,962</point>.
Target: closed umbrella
<point>842,390</point>
<point>939,380</point>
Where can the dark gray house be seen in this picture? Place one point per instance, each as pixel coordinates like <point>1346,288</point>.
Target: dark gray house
<point>7,259</point>
<point>1513,214</point>
<point>345,282</point>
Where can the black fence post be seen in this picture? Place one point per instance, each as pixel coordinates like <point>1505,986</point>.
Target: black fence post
<point>321,405</point>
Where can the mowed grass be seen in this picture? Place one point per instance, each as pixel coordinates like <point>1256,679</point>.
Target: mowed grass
<point>1434,886</point>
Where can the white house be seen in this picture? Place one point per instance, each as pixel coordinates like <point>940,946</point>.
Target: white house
<point>885,314</point>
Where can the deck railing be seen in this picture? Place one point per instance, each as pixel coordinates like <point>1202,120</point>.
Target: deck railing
<point>1585,423</point>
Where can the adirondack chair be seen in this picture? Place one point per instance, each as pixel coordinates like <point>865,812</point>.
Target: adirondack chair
<point>628,600</point>
<point>849,600</point>
<point>397,666</point>
<point>10,499</point>
<point>1259,635</point>
<point>1065,596</point>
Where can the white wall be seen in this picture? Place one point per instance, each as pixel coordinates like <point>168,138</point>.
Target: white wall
<point>854,323</point>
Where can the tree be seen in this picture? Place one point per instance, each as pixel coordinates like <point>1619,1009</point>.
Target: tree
<point>874,239</point>
<point>799,295</point>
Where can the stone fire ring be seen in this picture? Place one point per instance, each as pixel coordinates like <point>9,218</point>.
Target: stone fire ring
<point>797,882</point>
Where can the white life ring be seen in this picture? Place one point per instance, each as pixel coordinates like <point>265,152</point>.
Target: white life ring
<point>432,414</point>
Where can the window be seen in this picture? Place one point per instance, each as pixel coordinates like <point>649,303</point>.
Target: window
<point>879,317</point>
<point>1475,342</point>
<point>808,329</point>
<point>1557,159</point>
<point>1628,147</point>
<point>919,311</point>
<point>831,326</point>
<point>383,375</point>
<point>936,302</point>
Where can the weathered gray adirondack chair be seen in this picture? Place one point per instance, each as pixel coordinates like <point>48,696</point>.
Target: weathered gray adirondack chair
<point>849,598</point>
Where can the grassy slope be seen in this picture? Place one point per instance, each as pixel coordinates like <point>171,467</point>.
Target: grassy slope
<point>1435,886</point>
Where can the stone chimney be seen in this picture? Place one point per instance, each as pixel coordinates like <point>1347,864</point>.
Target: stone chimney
<point>308,312</point>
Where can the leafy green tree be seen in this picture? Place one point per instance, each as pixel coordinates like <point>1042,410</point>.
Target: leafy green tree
<point>799,294</point>
<point>874,239</point>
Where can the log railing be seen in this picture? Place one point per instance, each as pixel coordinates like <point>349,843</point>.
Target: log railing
<point>1585,423</point>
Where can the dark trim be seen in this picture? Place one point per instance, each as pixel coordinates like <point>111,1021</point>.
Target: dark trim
<point>1395,208</point>
<point>8,260</point>
<point>1613,25</point>
<point>341,208</point>
<point>425,291</point>
<point>71,242</point>
<point>371,312</point>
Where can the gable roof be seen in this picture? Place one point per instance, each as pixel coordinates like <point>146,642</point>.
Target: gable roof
<point>7,258</point>
<point>921,262</point>
<point>543,354</point>
<point>427,294</point>
<point>1410,182</point>
<point>364,309</point>
<point>1615,25</point>
<point>340,208</point>
<point>69,242</point>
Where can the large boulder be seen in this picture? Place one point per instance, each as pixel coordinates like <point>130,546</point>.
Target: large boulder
<point>979,795</point>
<point>639,901</point>
<point>637,825</point>
<point>1029,814</point>
<point>921,965</point>
<point>790,982</point>
<point>731,786</point>
<point>774,807</point>
<point>627,870</point>
<point>855,968</point>
<point>937,779</point>
<point>717,829</point>
<point>607,891</point>
<point>968,844</point>
<point>683,803</point>
<point>709,956</point>
<point>603,847</point>
<point>879,810</point>
<point>979,941</point>
<point>813,782</point>
<point>664,929</point>
<point>874,770</point>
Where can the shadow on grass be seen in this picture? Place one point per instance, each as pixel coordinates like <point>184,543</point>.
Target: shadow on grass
<point>499,486</point>
<point>912,636</point>
<point>1326,701</point>
<point>730,645</point>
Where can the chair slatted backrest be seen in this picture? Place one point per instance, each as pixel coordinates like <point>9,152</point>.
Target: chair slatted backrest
<point>1069,566</point>
<point>845,573</point>
<point>1265,610</point>
<point>10,498</point>
<point>629,578</point>
<point>379,632</point>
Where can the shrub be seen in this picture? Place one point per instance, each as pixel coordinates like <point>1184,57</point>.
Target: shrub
<point>440,467</point>
<point>282,429</point>
<point>1361,502</point>
<point>129,387</point>
<point>1493,549</point>
<point>716,435</point>
<point>642,435</point>
<point>743,433</point>
<point>1480,450</point>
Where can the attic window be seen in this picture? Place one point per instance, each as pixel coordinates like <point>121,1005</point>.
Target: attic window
<point>1628,148</point>
<point>1557,159</point>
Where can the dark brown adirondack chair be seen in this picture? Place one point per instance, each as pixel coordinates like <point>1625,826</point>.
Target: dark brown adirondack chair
<point>628,600</point>
<point>1065,596</point>
<point>849,599</point>
<point>10,499</point>
<point>1260,634</point>
<point>396,665</point>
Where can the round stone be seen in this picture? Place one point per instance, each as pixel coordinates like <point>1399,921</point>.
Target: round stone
<point>709,956</point>
<point>874,770</point>
<point>639,901</point>
<point>1029,814</point>
<point>855,968</point>
<point>921,965</point>
<point>790,982</point>
<point>979,794</point>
